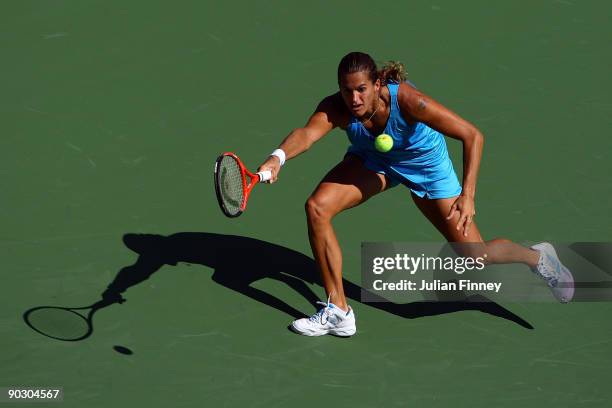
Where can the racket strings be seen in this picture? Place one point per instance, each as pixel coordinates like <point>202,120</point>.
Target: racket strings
<point>231,185</point>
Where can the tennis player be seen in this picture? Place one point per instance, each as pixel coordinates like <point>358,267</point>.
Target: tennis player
<point>369,103</point>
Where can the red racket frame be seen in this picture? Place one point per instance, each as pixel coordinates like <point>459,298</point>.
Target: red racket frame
<point>253,178</point>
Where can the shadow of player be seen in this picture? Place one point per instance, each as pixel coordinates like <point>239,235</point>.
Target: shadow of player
<point>240,261</point>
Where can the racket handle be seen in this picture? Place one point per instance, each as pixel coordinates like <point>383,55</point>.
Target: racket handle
<point>264,175</point>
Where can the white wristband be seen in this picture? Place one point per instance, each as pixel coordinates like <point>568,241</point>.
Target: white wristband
<point>280,154</point>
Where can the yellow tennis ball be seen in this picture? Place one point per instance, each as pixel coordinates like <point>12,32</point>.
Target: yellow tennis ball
<point>383,143</point>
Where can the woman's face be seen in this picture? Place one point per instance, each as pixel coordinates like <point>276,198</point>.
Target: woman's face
<point>359,93</point>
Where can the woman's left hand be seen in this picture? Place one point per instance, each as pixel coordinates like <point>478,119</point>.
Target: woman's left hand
<point>464,205</point>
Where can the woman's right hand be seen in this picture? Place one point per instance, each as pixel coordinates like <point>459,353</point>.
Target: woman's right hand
<point>273,165</point>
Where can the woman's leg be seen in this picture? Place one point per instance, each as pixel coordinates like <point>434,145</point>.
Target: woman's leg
<point>544,261</point>
<point>347,185</point>
<point>498,250</point>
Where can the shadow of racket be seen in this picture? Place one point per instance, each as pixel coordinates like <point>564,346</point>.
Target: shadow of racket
<point>65,323</point>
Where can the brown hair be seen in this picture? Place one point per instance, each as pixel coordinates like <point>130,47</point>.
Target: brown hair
<point>392,71</point>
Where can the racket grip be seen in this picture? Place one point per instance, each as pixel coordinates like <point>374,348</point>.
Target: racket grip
<point>264,175</point>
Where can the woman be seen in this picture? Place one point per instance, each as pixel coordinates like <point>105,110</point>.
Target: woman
<point>370,103</point>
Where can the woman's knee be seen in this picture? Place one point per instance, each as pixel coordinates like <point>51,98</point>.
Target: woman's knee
<point>319,209</point>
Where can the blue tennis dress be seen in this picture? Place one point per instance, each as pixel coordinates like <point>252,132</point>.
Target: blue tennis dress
<point>419,158</point>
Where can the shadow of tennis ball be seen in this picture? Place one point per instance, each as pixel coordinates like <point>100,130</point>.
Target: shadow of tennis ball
<point>123,350</point>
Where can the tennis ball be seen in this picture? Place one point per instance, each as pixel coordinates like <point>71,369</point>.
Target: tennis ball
<point>383,143</point>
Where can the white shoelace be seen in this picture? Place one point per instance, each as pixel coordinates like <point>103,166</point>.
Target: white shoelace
<point>547,270</point>
<point>322,313</point>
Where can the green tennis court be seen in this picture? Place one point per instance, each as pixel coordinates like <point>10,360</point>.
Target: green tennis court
<point>113,114</point>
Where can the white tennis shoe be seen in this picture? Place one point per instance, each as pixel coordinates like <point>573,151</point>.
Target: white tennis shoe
<point>328,320</point>
<point>558,278</point>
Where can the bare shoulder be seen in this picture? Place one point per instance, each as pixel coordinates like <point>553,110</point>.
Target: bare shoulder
<point>419,107</point>
<point>411,100</point>
<point>333,107</point>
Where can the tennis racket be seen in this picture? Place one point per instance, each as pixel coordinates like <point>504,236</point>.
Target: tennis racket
<point>233,183</point>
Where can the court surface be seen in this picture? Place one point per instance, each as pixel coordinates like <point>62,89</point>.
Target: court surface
<point>113,113</point>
